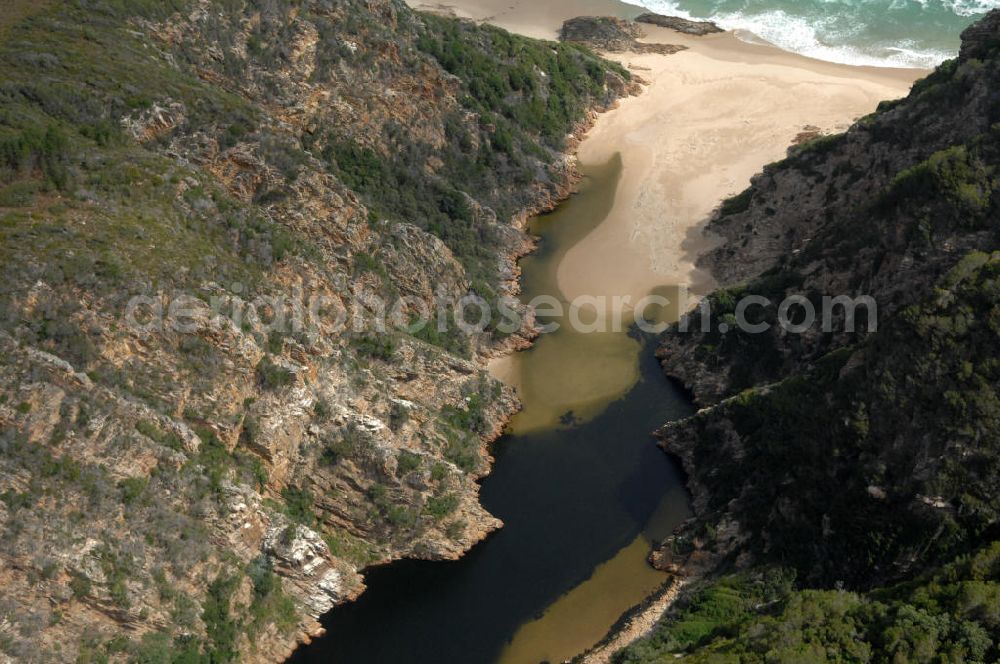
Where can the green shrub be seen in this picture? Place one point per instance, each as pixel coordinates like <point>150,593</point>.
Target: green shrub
<point>275,342</point>
<point>154,648</point>
<point>737,204</point>
<point>299,504</point>
<point>820,145</point>
<point>321,408</point>
<point>345,445</point>
<point>33,148</point>
<point>381,347</point>
<point>361,169</point>
<point>152,431</point>
<point>221,627</point>
<point>351,548</point>
<point>80,585</point>
<point>19,194</point>
<point>132,488</point>
<point>439,471</point>
<point>441,506</point>
<point>452,339</point>
<point>470,418</point>
<point>953,175</point>
<point>406,463</point>
<point>272,376</point>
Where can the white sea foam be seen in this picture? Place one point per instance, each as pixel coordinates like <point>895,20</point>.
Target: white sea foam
<point>831,40</point>
<point>971,7</point>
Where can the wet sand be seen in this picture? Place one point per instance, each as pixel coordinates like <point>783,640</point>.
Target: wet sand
<point>711,117</point>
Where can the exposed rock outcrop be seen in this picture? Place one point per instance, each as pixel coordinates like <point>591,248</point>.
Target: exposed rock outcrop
<point>687,26</point>
<point>609,33</point>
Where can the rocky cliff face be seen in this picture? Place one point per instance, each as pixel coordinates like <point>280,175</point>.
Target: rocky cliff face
<point>845,483</point>
<point>857,456</point>
<point>203,471</point>
<point>882,211</point>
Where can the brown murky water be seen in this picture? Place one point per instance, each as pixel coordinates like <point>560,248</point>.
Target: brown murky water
<point>569,373</point>
<point>572,374</point>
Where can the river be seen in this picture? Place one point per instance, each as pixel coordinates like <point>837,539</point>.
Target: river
<point>583,498</point>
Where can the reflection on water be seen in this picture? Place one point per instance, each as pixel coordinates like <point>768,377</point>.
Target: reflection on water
<point>581,497</point>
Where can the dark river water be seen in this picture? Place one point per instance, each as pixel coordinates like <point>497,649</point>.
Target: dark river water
<point>571,497</point>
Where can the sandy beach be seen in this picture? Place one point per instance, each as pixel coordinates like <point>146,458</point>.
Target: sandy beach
<point>711,117</point>
<point>531,18</point>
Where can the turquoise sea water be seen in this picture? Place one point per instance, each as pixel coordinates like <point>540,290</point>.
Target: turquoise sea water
<point>900,33</point>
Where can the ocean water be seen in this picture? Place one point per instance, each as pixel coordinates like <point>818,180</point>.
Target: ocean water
<point>896,33</point>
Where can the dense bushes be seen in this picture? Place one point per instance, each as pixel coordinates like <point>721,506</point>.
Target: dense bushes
<point>380,347</point>
<point>220,627</point>
<point>949,615</point>
<point>523,92</point>
<point>540,88</point>
<point>399,187</point>
<point>34,148</point>
<point>953,181</point>
<point>272,376</point>
<point>918,416</point>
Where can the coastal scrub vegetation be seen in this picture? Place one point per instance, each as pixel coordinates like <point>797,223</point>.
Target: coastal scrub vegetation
<point>149,149</point>
<point>527,97</point>
<point>536,87</point>
<point>756,618</point>
<point>847,482</point>
<point>62,103</point>
<point>866,500</point>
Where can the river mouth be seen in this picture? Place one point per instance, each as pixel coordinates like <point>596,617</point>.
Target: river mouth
<point>578,481</point>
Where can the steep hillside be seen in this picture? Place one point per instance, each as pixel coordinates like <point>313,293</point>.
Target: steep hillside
<point>833,472</point>
<point>198,474</point>
<point>882,210</point>
<point>948,615</point>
